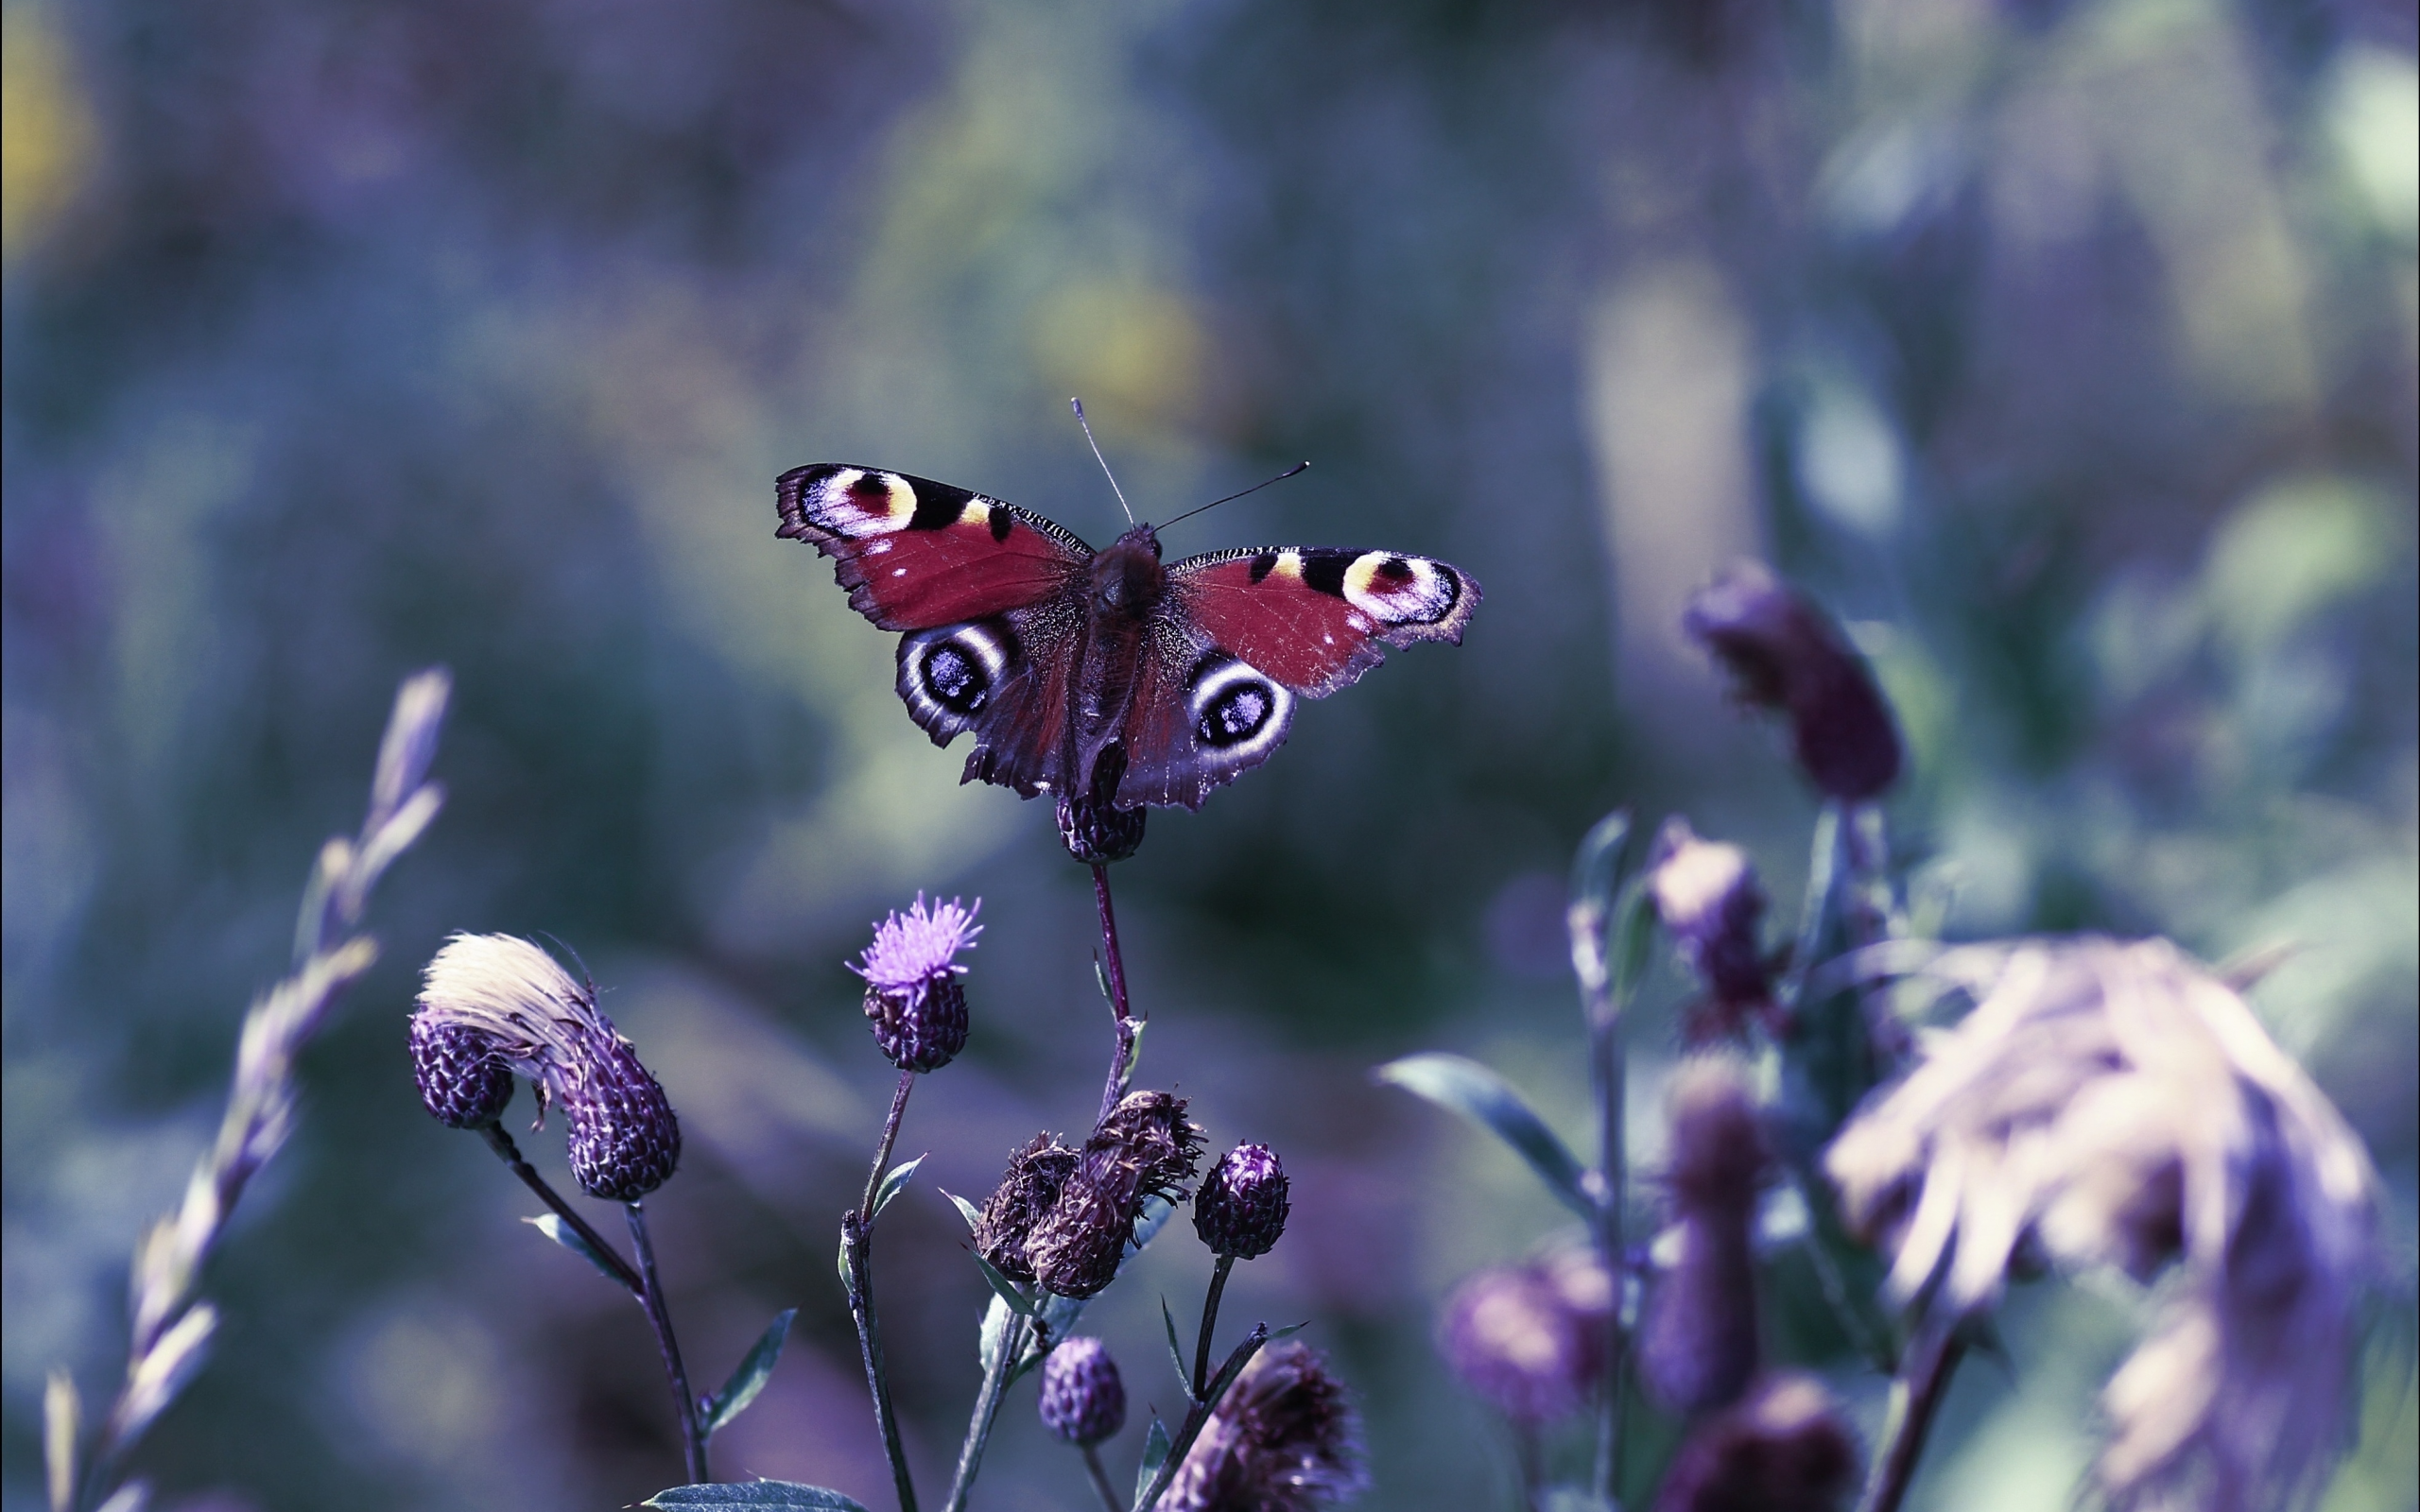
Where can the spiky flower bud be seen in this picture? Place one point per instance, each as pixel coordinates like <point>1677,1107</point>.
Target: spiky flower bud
<point>1083,1401</point>
<point>1027,1192</point>
<point>1144,1148</point>
<point>1785,1448</point>
<point>536,1019</point>
<point>464,1082</point>
<point>913,998</point>
<point>1707,895</point>
<point>1092,828</point>
<point>1785,653</point>
<point>1241,1207</point>
<point>1284,1439</point>
<point>1698,1346</point>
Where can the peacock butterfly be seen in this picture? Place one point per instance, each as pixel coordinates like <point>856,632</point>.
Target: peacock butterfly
<point>1078,671</point>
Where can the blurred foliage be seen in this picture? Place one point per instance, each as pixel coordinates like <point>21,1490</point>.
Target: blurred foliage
<point>2066,346</point>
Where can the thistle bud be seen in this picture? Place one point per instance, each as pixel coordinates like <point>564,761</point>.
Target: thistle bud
<point>1785,654</point>
<point>1144,1148</point>
<point>1285,1438</point>
<point>1707,895</point>
<point>1698,1346</point>
<point>1083,1401</point>
<point>464,1082</point>
<point>1241,1207</point>
<point>913,998</point>
<point>1785,1448</point>
<point>1510,1334</point>
<point>534,1019</point>
<point>1027,1192</point>
<point>1092,828</point>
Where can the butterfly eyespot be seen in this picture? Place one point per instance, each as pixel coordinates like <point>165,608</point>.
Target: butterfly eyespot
<point>957,681</point>
<point>1236,710</point>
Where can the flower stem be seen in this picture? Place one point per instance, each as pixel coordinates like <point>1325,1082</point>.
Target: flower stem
<point>693,1438</point>
<point>1197,1417</point>
<point>1209,1322</point>
<point>1100,1480</point>
<point>1123,1065</point>
<point>856,1244</point>
<point>987,1409</point>
<point>509,1154</point>
<point>1924,1379</point>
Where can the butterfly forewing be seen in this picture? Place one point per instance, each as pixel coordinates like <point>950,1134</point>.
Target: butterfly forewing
<point>916,555</point>
<point>1308,615</point>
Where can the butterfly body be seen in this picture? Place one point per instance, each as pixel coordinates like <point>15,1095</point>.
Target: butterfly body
<point>1109,674</point>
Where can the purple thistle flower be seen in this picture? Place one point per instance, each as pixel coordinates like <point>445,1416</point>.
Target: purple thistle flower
<point>1083,1401</point>
<point>913,1000</point>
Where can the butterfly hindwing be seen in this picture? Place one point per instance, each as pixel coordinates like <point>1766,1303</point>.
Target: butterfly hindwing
<point>916,555</point>
<point>1005,680</point>
<point>1309,616</point>
<point>1200,718</point>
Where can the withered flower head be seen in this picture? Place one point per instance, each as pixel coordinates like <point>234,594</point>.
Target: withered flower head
<point>1083,1401</point>
<point>1283,1439</point>
<point>1697,1344</point>
<point>1026,1194</point>
<point>1707,895</point>
<point>1785,654</point>
<point>1092,828</point>
<point>1784,1448</point>
<point>1530,1338</point>
<point>2118,1105</point>
<point>531,1016</point>
<point>1144,1148</point>
<point>1241,1207</point>
<point>913,998</point>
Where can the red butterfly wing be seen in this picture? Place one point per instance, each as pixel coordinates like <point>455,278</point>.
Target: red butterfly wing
<point>1311,617</point>
<point>1007,679</point>
<point>915,554</point>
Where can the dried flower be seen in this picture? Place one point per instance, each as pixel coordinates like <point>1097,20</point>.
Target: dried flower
<point>1698,1346</point>
<point>1784,1448</point>
<point>464,1082</point>
<point>1083,1401</point>
<point>1144,1148</point>
<point>1241,1207</point>
<point>2117,1104</point>
<point>1092,828</point>
<point>1785,654</point>
<point>1707,895</point>
<point>1025,1195</point>
<point>1513,1335</point>
<point>913,998</point>
<point>625,1138</point>
<point>1283,1439</point>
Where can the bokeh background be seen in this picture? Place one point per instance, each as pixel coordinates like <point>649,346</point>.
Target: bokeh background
<point>2067,347</point>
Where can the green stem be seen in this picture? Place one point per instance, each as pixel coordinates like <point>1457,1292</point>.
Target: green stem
<point>1209,1323</point>
<point>1923,1380</point>
<point>856,1242</point>
<point>1197,1417</point>
<point>693,1437</point>
<point>509,1154</point>
<point>1100,1480</point>
<point>987,1409</point>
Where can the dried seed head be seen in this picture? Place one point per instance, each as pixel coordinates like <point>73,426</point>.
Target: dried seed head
<point>1241,1207</point>
<point>1707,895</point>
<point>1283,1439</point>
<point>1095,830</point>
<point>913,999</point>
<point>1513,1335</point>
<point>1144,1148</point>
<point>464,1082</point>
<point>1083,1400</point>
<point>1785,1448</point>
<point>1697,1344</point>
<point>625,1138</point>
<point>2114,1103</point>
<point>1027,1192</point>
<point>1785,654</point>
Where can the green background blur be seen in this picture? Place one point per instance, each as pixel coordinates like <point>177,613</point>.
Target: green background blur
<point>2068,349</point>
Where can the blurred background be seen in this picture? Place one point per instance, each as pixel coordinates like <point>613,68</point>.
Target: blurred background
<point>2067,347</point>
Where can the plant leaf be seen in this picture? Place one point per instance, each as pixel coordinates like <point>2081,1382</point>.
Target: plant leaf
<point>1487,1099</point>
<point>1176,1350</point>
<point>1005,1287</point>
<point>571,1239</point>
<point>972,1214</point>
<point>895,1182</point>
<point>747,1378</point>
<point>1155,1453</point>
<point>754,1496</point>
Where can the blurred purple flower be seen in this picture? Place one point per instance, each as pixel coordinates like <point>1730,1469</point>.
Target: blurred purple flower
<point>1698,1343</point>
<point>1514,1337</point>
<point>1707,895</point>
<point>1785,654</point>
<point>1283,1439</point>
<point>1783,1449</point>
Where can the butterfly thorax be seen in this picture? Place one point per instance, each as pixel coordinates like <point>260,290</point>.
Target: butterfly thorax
<point>1128,581</point>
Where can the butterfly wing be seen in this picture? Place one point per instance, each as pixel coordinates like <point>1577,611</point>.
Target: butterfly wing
<point>989,594</point>
<point>915,554</point>
<point>1247,632</point>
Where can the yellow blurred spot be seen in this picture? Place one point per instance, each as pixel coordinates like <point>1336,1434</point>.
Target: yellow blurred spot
<point>45,128</point>
<point>1122,347</point>
<point>2296,547</point>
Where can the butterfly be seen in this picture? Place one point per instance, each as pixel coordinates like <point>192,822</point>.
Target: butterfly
<point>1106,674</point>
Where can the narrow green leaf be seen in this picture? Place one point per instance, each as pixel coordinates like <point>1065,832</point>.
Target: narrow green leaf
<point>1487,1099</point>
<point>1176,1350</point>
<point>754,1496</point>
<point>895,1182</point>
<point>1598,864</point>
<point>1006,1288</point>
<point>1635,922</point>
<point>1288,1331</point>
<point>1155,1453</point>
<point>571,1239</point>
<point>748,1377</point>
<point>992,1334</point>
<point>847,1283</point>
<point>972,1214</point>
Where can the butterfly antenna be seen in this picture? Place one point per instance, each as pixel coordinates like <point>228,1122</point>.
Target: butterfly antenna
<point>1102,460</point>
<point>1255,488</point>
